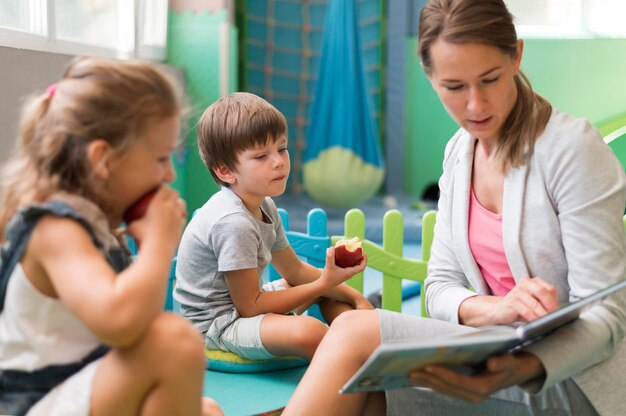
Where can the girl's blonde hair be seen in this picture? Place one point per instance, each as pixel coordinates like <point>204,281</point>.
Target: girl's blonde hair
<point>488,22</point>
<point>96,99</point>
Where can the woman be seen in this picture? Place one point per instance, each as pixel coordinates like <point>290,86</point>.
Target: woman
<point>530,217</point>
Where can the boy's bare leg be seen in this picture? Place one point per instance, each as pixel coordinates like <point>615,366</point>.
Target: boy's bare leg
<point>161,374</point>
<point>331,309</point>
<point>292,334</point>
<point>349,342</point>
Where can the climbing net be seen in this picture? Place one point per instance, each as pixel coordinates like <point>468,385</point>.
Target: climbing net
<point>281,42</point>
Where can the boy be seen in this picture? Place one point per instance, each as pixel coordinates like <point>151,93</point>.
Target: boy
<point>225,248</point>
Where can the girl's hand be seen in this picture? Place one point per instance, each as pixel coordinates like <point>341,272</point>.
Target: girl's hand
<point>164,220</point>
<point>501,372</point>
<point>333,275</point>
<point>530,299</point>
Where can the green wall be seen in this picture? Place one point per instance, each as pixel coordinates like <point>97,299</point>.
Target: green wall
<point>194,44</point>
<point>585,77</point>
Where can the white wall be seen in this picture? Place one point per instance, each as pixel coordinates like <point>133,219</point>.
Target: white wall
<point>23,72</point>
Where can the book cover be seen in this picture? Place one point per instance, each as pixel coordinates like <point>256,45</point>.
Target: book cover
<point>388,366</point>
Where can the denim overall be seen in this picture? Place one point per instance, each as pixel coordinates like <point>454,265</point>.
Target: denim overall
<point>20,390</point>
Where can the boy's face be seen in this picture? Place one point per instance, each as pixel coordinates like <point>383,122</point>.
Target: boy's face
<point>261,171</point>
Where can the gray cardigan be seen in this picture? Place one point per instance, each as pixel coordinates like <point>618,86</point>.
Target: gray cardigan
<point>562,221</point>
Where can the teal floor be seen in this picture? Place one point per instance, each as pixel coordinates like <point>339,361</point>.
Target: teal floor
<point>250,394</point>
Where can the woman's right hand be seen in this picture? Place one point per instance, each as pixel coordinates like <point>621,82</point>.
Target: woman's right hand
<point>333,275</point>
<point>527,301</point>
<point>164,220</point>
<point>530,299</point>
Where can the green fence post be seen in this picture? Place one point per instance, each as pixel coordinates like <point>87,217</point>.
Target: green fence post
<point>393,239</point>
<point>354,223</point>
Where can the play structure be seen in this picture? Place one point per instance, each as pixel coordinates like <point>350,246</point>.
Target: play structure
<point>269,383</point>
<point>298,56</point>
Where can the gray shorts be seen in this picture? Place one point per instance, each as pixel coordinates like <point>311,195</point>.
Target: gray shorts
<point>243,336</point>
<point>563,398</point>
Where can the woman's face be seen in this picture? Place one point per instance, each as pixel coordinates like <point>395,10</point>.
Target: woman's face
<point>475,82</point>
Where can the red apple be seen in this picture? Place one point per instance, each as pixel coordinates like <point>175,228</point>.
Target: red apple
<point>348,252</point>
<point>138,209</point>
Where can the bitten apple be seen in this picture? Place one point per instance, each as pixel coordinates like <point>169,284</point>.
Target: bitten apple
<point>348,252</point>
<point>138,209</point>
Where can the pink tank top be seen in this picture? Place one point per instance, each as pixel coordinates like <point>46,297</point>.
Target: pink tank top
<point>485,241</point>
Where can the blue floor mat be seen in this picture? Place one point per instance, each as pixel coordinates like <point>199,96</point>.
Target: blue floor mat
<point>249,394</point>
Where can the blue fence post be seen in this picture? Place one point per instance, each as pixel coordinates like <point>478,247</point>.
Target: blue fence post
<point>317,224</point>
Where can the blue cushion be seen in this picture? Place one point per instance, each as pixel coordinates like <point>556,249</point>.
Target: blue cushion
<point>228,362</point>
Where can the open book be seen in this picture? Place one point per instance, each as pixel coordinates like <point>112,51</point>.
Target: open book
<point>389,364</point>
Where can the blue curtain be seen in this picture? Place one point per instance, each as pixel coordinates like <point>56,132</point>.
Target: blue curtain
<point>342,163</point>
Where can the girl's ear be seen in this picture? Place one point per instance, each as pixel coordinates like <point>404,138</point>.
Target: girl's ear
<point>99,153</point>
<point>225,174</point>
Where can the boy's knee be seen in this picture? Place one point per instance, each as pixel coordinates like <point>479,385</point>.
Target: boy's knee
<point>309,335</point>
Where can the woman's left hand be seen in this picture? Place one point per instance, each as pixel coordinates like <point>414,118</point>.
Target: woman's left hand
<point>501,372</point>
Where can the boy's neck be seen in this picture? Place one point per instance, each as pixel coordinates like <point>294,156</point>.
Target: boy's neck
<point>252,204</point>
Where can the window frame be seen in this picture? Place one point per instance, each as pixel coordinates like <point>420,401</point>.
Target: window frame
<point>583,31</point>
<point>49,42</point>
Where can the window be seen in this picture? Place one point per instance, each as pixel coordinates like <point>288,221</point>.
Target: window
<point>115,28</point>
<point>153,29</point>
<point>569,18</point>
<point>22,15</point>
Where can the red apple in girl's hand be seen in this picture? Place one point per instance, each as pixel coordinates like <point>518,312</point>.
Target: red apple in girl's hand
<point>138,209</point>
<point>348,252</point>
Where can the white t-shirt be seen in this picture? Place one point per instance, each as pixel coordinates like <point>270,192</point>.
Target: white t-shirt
<point>37,330</point>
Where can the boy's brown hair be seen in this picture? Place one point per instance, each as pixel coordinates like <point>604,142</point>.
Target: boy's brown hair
<point>233,124</point>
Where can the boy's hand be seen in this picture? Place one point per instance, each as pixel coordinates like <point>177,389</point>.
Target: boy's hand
<point>333,275</point>
<point>349,295</point>
<point>361,302</point>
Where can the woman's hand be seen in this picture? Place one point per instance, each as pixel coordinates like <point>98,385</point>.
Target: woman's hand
<point>530,299</point>
<point>501,372</point>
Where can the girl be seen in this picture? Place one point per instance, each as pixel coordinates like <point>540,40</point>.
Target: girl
<point>81,328</point>
<point>530,217</point>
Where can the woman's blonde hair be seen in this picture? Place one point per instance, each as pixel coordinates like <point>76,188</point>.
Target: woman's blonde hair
<point>488,22</point>
<point>95,99</point>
